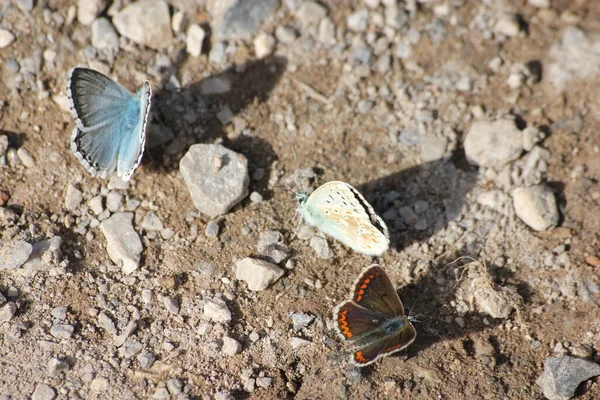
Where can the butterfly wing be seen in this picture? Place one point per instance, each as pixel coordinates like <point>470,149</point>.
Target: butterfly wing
<point>356,323</point>
<point>387,345</point>
<point>110,132</point>
<point>341,212</point>
<point>374,291</point>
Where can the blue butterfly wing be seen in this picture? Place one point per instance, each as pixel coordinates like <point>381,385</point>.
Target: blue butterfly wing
<point>110,133</point>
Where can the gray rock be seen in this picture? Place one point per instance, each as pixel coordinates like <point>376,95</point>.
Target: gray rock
<point>26,159</point>
<point>216,177</point>
<point>231,346</point>
<point>45,253</point>
<point>298,343</point>
<point>497,200</point>
<point>493,144</point>
<point>264,382</point>
<point>56,366</point>
<point>217,53</point>
<point>194,39</point>
<point>225,116</point>
<point>464,84</point>
<point>25,5</point>
<point>60,313</point>
<point>408,215</point>
<point>358,21</point>
<point>6,38</point>
<point>562,376</point>
<point>215,85</point>
<point>43,392</point>
<point>152,222</point>
<point>114,201</point>
<point>212,229</point>
<point>146,359</point>
<point>301,321</point>
<point>104,35</point>
<point>146,22</point>
<point>217,310</point>
<point>326,34</point>
<point>130,349</point>
<point>123,243</point>
<point>96,204</point>
<point>271,246</point>
<point>106,323</point>
<point>258,274</point>
<point>73,198</point>
<point>433,147</point>
<point>536,206</point>
<point>62,331</point>
<point>321,247</point>
<point>15,254</point>
<point>175,386</point>
<point>243,19</point>
<point>396,17</point>
<point>88,10</point>
<point>171,305</point>
<point>310,13</point>
<point>7,311</point>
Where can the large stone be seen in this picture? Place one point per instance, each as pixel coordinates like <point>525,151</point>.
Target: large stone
<point>562,376</point>
<point>122,241</point>
<point>146,22</point>
<point>13,255</point>
<point>536,206</point>
<point>493,144</point>
<point>243,19</point>
<point>88,10</point>
<point>216,177</point>
<point>104,35</point>
<point>258,274</point>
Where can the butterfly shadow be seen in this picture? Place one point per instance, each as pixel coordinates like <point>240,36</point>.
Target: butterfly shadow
<point>209,111</point>
<point>421,200</point>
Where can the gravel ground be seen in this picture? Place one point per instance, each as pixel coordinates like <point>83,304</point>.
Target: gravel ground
<point>470,126</point>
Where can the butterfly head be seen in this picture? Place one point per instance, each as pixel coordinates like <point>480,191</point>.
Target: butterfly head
<point>302,197</point>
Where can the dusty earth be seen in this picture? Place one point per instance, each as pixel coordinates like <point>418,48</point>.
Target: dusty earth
<point>361,121</point>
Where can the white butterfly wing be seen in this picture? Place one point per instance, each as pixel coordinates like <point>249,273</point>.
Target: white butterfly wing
<point>110,133</point>
<point>340,211</point>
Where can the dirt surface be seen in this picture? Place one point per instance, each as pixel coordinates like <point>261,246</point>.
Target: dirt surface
<point>312,98</point>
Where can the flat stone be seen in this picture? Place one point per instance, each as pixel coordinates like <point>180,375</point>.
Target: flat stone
<point>215,85</point>
<point>194,39</point>
<point>171,305</point>
<point>497,200</point>
<point>358,21</point>
<point>216,177</point>
<point>326,33</point>
<point>15,254</point>
<point>212,229</point>
<point>7,311</point>
<point>152,222</point>
<point>321,247</point>
<point>43,392</point>
<point>26,159</point>
<point>44,254</point>
<point>146,22</point>
<point>217,310</point>
<point>146,359</point>
<point>96,204</point>
<point>539,3</point>
<point>231,346</point>
<point>104,35</point>
<point>62,331</point>
<point>130,349</point>
<point>6,38</point>
<point>562,376</point>
<point>301,321</point>
<point>88,10</point>
<point>73,198</point>
<point>536,206</point>
<point>433,147</point>
<point>258,274</point>
<point>123,243</point>
<point>114,201</point>
<point>60,313</point>
<point>244,17</point>
<point>493,144</point>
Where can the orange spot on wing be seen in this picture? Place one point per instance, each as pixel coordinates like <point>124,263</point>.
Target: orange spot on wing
<point>359,356</point>
<point>344,324</point>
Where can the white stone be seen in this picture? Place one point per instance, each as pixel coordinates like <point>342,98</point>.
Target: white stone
<point>123,243</point>
<point>73,198</point>
<point>96,204</point>
<point>216,177</point>
<point>15,254</point>
<point>358,21</point>
<point>258,274</point>
<point>497,200</point>
<point>152,222</point>
<point>539,3</point>
<point>114,201</point>
<point>178,21</point>
<point>231,346</point>
<point>43,392</point>
<point>433,147</point>
<point>217,310</point>
<point>326,33</point>
<point>44,254</point>
<point>508,25</point>
<point>493,144</point>
<point>321,247</point>
<point>88,10</point>
<point>310,13</point>
<point>104,35</point>
<point>298,343</point>
<point>264,44</point>
<point>6,38</point>
<point>146,22</point>
<point>7,311</point>
<point>536,206</point>
<point>25,158</point>
<point>193,41</point>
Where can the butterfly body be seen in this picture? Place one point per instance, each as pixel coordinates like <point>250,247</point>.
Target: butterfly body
<point>111,123</point>
<point>373,323</point>
<point>340,211</point>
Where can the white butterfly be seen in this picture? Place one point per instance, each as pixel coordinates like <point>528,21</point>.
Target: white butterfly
<point>340,211</point>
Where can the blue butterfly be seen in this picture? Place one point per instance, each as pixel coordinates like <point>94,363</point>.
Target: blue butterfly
<point>111,123</point>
